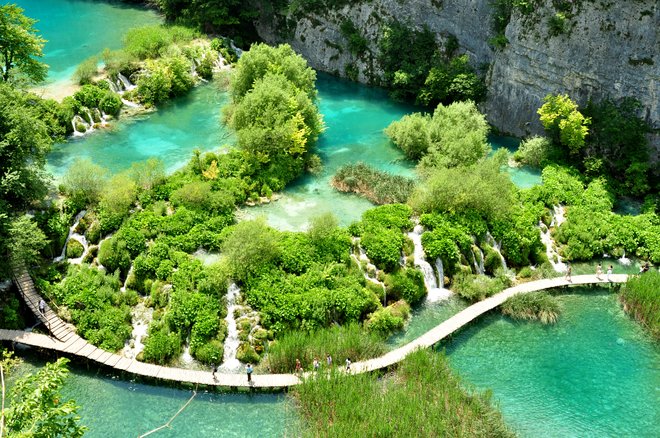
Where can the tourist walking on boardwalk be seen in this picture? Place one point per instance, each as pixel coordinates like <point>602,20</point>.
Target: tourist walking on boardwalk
<point>328,360</point>
<point>249,370</point>
<point>42,307</point>
<point>316,364</point>
<point>348,364</point>
<point>568,272</point>
<point>609,272</point>
<point>298,366</point>
<point>599,271</point>
<point>214,369</point>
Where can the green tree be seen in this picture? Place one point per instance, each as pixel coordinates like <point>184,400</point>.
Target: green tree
<point>26,241</point>
<point>36,408</point>
<point>249,247</point>
<point>19,45</point>
<point>560,116</point>
<point>411,134</point>
<point>262,59</point>
<point>84,182</point>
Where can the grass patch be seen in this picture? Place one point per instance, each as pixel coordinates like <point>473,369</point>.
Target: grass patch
<point>539,306</point>
<point>339,342</point>
<point>641,299</point>
<point>423,398</point>
<point>377,186</point>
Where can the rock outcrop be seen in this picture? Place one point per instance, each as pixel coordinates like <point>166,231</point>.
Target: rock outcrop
<point>608,48</point>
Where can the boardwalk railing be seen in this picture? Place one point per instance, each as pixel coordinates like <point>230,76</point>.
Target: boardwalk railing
<point>68,342</point>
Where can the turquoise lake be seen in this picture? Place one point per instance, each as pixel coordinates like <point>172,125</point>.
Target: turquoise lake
<point>594,373</point>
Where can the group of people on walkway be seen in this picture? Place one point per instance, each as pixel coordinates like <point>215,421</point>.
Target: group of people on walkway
<point>599,272</point>
<point>316,364</point>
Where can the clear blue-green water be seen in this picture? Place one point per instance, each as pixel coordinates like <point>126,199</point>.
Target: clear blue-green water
<point>171,134</point>
<point>594,373</point>
<point>116,408</point>
<point>78,29</point>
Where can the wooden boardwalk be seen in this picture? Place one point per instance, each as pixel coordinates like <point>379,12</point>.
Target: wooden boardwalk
<point>65,340</point>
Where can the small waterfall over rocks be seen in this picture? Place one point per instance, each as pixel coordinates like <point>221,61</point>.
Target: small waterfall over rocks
<point>553,256</point>
<point>124,83</point>
<point>434,293</point>
<point>625,260</point>
<point>229,361</point>
<point>75,236</point>
<point>370,267</point>
<point>496,246</point>
<point>141,316</point>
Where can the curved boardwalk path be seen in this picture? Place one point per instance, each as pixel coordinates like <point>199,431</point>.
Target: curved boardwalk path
<point>65,340</point>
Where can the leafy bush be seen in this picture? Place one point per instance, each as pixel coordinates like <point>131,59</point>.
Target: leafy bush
<point>115,256</point>
<point>161,345</point>
<point>476,287</point>
<point>533,151</point>
<point>86,70</point>
<point>74,249</point>
<point>383,246</point>
<point>151,41</point>
<point>407,284</point>
<point>97,307</point>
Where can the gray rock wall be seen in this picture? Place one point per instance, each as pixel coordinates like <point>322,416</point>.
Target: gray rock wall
<point>610,48</point>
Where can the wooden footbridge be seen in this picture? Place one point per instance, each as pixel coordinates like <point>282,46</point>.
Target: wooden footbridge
<point>64,339</point>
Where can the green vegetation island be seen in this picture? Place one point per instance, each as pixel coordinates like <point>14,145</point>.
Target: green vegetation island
<point>168,265</point>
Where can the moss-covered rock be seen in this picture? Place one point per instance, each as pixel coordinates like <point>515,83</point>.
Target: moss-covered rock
<point>246,353</point>
<point>74,249</point>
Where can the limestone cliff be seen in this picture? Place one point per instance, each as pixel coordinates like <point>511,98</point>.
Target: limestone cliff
<point>607,48</point>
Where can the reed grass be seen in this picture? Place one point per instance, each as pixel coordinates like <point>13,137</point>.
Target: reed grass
<point>340,342</point>
<point>539,306</point>
<point>377,186</point>
<point>422,398</point>
<point>641,299</point>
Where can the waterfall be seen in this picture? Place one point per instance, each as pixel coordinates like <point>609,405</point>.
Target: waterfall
<point>75,121</point>
<point>559,215</point>
<point>496,246</point>
<point>141,317</point>
<point>130,271</point>
<point>113,86</point>
<point>186,357</point>
<point>550,251</point>
<point>125,82</point>
<point>72,231</point>
<point>478,266</point>
<point>229,361</point>
<point>130,104</point>
<point>434,293</point>
<point>441,272</point>
<point>624,260</point>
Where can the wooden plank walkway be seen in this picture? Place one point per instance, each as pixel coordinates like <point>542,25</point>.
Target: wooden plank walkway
<point>70,343</point>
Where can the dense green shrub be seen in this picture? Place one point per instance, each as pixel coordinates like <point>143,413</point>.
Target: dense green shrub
<point>477,287</point>
<point>356,43</point>
<point>407,284</point>
<point>151,41</point>
<point>533,151</point>
<point>533,306</point>
<point>86,70</point>
<point>161,345</point>
<point>74,249</point>
<point>383,246</point>
<point>115,256</point>
<point>97,307</point>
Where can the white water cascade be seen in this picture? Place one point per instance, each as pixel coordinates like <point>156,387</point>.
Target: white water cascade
<point>229,361</point>
<point>75,236</point>
<point>141,316</point>
<point>550,250</point>
<point>125,83</point>
<point>496,246</point>
<point>434,293</point>
<point>624,260</point>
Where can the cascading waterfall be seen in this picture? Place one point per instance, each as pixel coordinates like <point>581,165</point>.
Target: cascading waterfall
<point>229,361</point>
<point>141,316</point>
<point>624,260</point>
<point>434,293</point>
<point>478,265</point>
<point>73,235</point>
<point>439,267</point>
<point>550,251</point>
<point>496,247</point>
<point>126,84</point>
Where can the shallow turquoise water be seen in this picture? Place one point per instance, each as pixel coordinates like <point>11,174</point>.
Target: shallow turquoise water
<point>355,117</point>
<point>171,134</point>
<point>594,373</point>
<point>115,408</point>
<point>78,29</point>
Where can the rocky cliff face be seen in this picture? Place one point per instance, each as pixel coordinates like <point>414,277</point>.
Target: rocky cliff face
<point>608,48</point>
